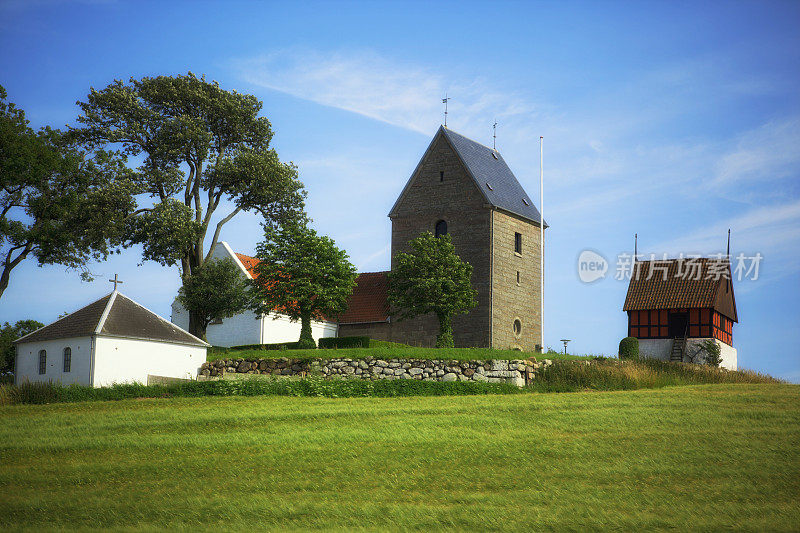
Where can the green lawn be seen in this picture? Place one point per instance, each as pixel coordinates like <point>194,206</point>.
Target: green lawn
<point>388,352</point>
<point>704,457</point>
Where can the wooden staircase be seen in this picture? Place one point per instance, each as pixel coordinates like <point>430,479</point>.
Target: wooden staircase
<point>678,349</point>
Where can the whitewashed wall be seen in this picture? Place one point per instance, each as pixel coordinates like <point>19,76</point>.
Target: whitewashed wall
<point>119,360</point>
<point>661,349</point>
<point>246,328</point>
<point>27,368</point>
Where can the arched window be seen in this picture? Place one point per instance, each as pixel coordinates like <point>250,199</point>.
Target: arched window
<point>517,327</point>
<point>42,361</point>
<point>67,359</point>
<point>441,228</point>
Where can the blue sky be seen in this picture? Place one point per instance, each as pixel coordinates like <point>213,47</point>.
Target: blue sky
<point>675,120</point>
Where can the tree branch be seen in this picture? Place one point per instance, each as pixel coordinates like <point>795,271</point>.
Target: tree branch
<point>217,231</point>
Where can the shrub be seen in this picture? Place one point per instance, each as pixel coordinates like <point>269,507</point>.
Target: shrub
<point>275,346</point>
<point>629,348</point>
<point>713,352</point>
<point>306,344</point>
<point>344,342</point>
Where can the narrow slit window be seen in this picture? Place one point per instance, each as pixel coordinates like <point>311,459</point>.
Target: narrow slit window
<point>517,277</point>
<point>441,175</point>
<point>42,361</point>
<point>67,359</point>
<point>518,243</point>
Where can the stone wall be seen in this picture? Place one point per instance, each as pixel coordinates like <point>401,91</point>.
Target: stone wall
<point>517,372</point>
<point>516,291</point>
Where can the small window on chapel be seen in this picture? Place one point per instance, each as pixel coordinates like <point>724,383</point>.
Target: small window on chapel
<point>518,243</point>
<point>67,359</point>
<point>42,361</point>
<point>441,228</point>
<point>441,175</point>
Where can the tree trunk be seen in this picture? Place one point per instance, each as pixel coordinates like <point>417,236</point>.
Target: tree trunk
<point>306,339</point>
<point>197,326</point>
<point>445,337</point>
<point>9,265</point>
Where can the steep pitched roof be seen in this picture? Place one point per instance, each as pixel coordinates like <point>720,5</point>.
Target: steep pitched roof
<point>491,174</point>
<point>368,302</point>
<point>114,315</point>
<point>683,286</point>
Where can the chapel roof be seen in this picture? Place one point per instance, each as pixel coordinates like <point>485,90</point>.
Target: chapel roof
<point>676,284</point>
<point>491,174</point>
<point>368,303</point>
<point>114,315</point>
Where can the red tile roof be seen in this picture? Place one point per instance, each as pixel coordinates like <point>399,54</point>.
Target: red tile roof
<point>249,263</point>
<point>676,284</point>
<point>368,302</point>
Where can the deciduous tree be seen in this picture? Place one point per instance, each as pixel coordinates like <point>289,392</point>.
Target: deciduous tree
<point>302,275</point>
<point>215,291</point>
<point>431,279</point>
<point>58,204</point>
<point>8,334</point>
<point>203,148</point>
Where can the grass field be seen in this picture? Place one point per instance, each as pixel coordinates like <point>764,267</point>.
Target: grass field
<point>388,352</point>
<point>706,457</point>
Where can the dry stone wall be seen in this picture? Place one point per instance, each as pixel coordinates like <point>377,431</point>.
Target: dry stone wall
<point>517,371</point>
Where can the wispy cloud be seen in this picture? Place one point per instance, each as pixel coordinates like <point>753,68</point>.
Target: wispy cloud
<point>398,93</point>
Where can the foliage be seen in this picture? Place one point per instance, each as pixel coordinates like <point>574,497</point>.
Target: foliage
<point>431,279</point>
<point>302,275</point>
<point>8,334</point>
<point>273,346</point>
<point>344,342</point>
<point>215,291</point>
<point>572,376</point>
<point>709,352</point>
<point>629,348</point>
<point>626,461</point>
<point>58,203</point>
<point>200,145</point>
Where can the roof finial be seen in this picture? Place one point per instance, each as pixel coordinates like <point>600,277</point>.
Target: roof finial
<point>635,246</point>
<point>729,244</point>
<point>444,101</point>
<point>494,135</point>
<point>115,281</point>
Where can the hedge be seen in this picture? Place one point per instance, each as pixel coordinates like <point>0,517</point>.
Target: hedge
<point>344,342</point>
<point>275,346</point>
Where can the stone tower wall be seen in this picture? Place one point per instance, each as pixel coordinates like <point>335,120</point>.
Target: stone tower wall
<point>511,300</point>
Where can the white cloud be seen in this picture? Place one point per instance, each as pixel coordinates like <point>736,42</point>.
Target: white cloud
<point>765,154</point>
<point>398,93</point>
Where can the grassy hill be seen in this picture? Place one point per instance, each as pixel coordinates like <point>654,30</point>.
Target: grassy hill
<point>705,457</point>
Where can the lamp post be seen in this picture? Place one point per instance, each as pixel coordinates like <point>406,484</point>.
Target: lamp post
<point>565,341</point>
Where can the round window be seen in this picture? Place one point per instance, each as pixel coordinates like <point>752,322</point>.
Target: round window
<point>517,327</point>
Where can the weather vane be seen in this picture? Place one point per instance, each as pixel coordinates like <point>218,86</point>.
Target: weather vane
<point>115,281</point>
<point>444,101</point>
<point>494,135</point>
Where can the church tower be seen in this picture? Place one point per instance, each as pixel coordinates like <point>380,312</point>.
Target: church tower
<point>466,189</point>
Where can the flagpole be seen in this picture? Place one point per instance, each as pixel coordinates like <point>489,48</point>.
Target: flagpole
<point>541,239</point>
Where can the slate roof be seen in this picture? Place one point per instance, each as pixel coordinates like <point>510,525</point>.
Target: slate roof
<point>368,302</point>
<point>492,176</point>
<point>682,287</point>
<point>114,315</point>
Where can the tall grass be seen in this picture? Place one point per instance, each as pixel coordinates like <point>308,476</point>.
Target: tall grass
<point>613,374</point>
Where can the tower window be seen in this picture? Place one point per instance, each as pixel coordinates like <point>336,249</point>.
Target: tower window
<point>517,327</point>
<point>517,277</point>
<point>518,243</point>
<point>441,228</point>
<point>42,361</point>
<point>67,359</point>
<point>441,175</point>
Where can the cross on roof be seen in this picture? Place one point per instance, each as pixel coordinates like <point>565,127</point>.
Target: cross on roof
<point>115,281</point>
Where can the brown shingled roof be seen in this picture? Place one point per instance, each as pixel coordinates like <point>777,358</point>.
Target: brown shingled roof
<point>674,285</point>
<point>368,302</point>
<point>114,315</point>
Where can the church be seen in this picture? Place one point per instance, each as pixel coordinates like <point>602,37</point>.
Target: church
<point>461,188</point>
